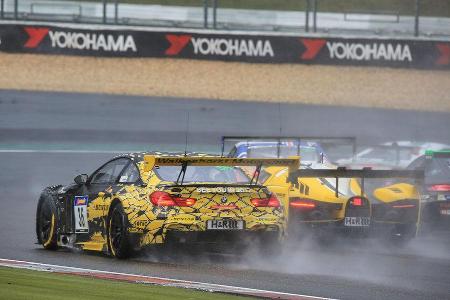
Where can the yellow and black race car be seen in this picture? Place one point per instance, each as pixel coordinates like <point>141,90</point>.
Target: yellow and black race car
<point>324,200</point>
<point>142,199</point>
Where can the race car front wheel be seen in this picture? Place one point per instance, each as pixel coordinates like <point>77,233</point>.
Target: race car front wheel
<point>118,237</point>
<point>46,223</point>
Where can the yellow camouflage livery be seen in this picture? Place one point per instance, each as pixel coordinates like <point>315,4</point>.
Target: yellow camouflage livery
<point>142,199</point>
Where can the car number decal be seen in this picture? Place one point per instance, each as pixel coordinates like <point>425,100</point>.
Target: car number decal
<point>80,211</point>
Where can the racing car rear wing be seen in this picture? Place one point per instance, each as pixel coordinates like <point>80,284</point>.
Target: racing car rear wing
<point>342,172</point>
<point>152,160</point>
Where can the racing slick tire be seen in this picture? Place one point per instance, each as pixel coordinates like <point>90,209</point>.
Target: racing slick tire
<point>47,218</point>
<point>118,237</point>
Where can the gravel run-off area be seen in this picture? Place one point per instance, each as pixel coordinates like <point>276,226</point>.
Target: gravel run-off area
<point>326,85</point>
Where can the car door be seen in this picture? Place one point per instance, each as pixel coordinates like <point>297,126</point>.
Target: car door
<point>91,205</point>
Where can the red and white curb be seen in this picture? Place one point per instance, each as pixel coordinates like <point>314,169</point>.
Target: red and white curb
<point>210,287</point>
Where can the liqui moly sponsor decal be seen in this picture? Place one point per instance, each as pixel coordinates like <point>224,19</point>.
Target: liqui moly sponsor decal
<point>220,46</point>
<point>80,40</point>
<point>370,51</point>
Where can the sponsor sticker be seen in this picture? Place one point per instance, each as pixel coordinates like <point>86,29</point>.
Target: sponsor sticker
<point>80,211</point>
<point>81,200</point>
<point>205,190</point>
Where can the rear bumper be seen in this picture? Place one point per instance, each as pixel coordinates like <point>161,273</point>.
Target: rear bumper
<point>236,238</point>
<point>192,228</point>
<point>337,227</point>
<point>198,222</point>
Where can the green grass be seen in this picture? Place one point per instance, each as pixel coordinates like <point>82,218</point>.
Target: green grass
<point>404,7</point>
<point>35,285</point>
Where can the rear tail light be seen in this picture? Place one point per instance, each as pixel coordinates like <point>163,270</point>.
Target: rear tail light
<point>266,202</point>
<point>356,201</point>
<point>439,188</point>
<point>302,204</point>
<point>159,198</point>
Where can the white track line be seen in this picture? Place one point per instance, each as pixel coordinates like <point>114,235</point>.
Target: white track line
<point>156,280</point>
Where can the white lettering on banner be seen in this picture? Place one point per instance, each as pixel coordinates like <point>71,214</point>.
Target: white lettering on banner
<point>92,41</point>
<point>358,51</point>
<point>230,47</point>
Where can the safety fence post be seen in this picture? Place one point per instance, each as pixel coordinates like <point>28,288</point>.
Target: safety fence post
<point>314,15</point>
<point>215,14</point>
<point>116,11</point>
<point>104,11</point>
<point>16,8</point>
<point>2,8</point>
<point>416,19</point>
<point>307,16</point>
<point>205,13</point>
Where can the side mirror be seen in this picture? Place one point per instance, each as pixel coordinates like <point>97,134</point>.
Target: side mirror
<point>81,179</point>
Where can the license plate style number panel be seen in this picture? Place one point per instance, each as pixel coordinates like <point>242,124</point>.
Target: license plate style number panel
<point>357,221</point>
<point>225,224</point>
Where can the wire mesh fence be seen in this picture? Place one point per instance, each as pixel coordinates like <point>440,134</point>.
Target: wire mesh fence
<point>405,17</point>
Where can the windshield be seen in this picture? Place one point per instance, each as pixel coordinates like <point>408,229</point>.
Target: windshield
<point>306,153</point>
<point>219,174</point>
<point>438,171</point>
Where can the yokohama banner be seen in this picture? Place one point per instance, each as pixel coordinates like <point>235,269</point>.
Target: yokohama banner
<point>225,46</point>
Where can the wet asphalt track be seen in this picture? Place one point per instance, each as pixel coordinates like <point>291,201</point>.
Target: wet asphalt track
<point>347,270</point>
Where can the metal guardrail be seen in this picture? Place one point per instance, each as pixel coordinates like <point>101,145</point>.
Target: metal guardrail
<point>210,9</point>
<point>378,16</point>
<point>64,9</point>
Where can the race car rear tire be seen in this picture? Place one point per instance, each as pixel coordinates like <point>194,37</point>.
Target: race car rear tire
<point>401,235</point>
<point>47,221</point>
<point>118,237</point>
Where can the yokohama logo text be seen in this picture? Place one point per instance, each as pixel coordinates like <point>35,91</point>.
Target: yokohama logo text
<point>374,51</point>
<point>220,46</point>
<point>356,51</point>
<point>80,40</point>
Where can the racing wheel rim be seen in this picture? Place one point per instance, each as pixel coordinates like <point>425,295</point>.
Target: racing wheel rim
<point>116,230</point>
<point>47,224</point>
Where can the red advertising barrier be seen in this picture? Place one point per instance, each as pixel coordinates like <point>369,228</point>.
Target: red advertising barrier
<point>229,46</point>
